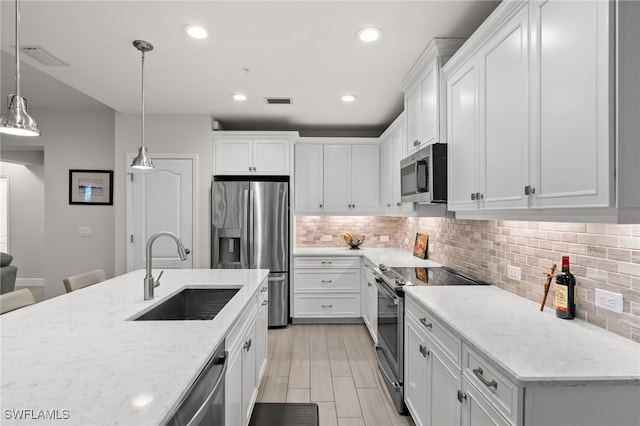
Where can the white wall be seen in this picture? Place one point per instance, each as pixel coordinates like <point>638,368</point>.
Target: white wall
<point>172,134</point>
<point>73,139</point>
<point>26,217</point>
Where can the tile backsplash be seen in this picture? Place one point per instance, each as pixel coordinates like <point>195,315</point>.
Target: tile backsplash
<point>602,256</point>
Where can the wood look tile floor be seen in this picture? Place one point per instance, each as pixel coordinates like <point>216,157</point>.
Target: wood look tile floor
<point>333,365</point>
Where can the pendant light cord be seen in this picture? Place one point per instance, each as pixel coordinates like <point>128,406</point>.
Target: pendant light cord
<point>17,48</point>
<point>142,98</point>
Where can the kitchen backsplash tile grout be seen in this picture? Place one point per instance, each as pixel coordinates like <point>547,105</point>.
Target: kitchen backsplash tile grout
<point>605,256</point>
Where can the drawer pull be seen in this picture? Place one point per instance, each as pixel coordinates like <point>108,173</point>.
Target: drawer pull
<point>491,384</point>
<point>263,289</point>
<point>326,281</point>
<point>264,302</point>
<point>424,351</point>
<point>326,262</point>
<point>247,345</point>
<point>424,322</point>
<point>462,396</point>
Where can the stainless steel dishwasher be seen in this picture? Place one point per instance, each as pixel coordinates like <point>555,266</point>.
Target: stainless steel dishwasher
<point>204,402</point>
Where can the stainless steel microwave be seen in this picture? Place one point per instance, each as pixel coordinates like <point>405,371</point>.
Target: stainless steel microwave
<point>423,175</point>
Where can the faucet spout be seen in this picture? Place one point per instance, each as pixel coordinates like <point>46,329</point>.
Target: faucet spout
<point>148,279</point>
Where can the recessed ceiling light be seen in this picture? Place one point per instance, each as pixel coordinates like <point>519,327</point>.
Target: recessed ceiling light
<point>196,31</point>
<point>348,98</point>
<point>239,97</point>
<point>368,34</point>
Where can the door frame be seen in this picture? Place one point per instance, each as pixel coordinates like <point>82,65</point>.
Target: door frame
<point>129,202</point>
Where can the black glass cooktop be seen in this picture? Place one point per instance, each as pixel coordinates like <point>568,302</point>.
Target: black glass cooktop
<point>429,276</point>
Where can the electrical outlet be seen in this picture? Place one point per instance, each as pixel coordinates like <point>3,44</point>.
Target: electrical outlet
<point>406,241</point>
<point>384,238</point>
<point>609,300</point>
<point>327,238</point>
<point>513,272</point>
<point>85,231</point>
<point>429,248</point>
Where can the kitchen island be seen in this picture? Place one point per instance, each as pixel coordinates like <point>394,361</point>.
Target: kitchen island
<point>79,359</point>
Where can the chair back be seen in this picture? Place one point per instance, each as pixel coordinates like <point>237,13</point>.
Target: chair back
<point>15,300</point>
<point>76,282</point>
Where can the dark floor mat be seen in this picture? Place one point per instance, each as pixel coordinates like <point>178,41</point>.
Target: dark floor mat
<point>284,414</point>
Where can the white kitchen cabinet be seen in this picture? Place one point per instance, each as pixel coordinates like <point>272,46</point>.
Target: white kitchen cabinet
<point>347,174</point>
<point>369,294</point>
<point>391,148</point>
<point>425,96</point>
<point>246,345</point>
<point>309,172</point>
<point>326,287</point>
<point>252,153</point>
<point>476,410</point>
<point>416,379</point>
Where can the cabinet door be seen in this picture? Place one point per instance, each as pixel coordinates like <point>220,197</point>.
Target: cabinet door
<point>271,156</point>
<point>476,410</point>
<point>416,381</point>
<point>261,338</point>
<point>233,388</point>
<point>445,381</point>
<point>308,178</point>
<point>386,183</point>
<point>429,106</point>
<point>337,178</point>
<point>233,156</point>
<point>572,125</point>
<point>462,134</point>
<point>249,385</point>
<point>397,142</point>
<point>412,106</point>
<point>504,115</point>
<point>365,178</point>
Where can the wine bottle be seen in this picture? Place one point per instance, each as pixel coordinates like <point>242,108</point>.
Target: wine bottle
<point>565,292</point>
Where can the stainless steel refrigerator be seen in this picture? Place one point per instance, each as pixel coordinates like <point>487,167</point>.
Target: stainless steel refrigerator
<point>250,230</point>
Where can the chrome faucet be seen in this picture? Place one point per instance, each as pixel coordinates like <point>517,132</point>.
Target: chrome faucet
<point>149,282</point>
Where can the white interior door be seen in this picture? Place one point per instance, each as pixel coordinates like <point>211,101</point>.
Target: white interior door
<point>162,200</point>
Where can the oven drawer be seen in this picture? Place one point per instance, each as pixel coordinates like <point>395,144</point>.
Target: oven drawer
<point>319,280</point>
<point>326,305</point>
<point>494,386</point>
<point>327,262</point>
<point>450,344</point>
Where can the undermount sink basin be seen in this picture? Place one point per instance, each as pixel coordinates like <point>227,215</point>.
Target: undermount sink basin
<point>190,304</point>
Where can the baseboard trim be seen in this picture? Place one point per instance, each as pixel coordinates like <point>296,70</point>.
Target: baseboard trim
<point>327,321</point>
<point>29,282</point>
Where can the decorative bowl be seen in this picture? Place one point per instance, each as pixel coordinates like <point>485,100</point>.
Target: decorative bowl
<point>355,243</point>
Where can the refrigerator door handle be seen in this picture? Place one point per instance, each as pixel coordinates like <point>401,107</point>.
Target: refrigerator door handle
<point>276,279</point>
<point>245,211</point>
<point>252,240</point>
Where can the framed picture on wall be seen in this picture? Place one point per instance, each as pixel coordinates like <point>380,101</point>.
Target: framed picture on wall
<point>91,187</point>
<point>420,247</point>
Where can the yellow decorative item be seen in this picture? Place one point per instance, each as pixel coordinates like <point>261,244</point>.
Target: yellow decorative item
<point>353,241</point>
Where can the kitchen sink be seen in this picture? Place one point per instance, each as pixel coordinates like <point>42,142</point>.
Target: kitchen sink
<point>190,304</point>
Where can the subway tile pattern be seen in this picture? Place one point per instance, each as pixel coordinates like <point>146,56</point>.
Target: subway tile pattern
<point>602,256</point>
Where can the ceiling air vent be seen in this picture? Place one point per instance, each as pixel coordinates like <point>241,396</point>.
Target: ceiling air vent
<point>278,101</point>
<point>41,55</point>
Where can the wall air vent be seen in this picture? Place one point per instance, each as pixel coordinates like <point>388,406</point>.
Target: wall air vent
<point>278,101</point>
<point>41,55</point>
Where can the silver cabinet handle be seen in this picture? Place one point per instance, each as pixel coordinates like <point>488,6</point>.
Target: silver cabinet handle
<point>462,396</point>
<point>490,384</point>
<point>424,351</point>
<point>247,345</point>
<point>263,289</point>
<point>326,281</point>
<point>473,196</point>
<point>265,301</point>
<point>416,142</point>
<point>327,306</point>
<point>424,322</point>
<point>326,262</point>
<point>320,205</point>
<point>369,284</point>
<point>529,190</point>
<point>398,204</point>
<point>249,168</point>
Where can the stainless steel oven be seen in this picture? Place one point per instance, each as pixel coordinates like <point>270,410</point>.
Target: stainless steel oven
<point>389,349</point>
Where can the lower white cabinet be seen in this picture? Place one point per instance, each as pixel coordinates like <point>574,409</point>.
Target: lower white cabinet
<point>326,287</point>
<point>476,410</point>
<point>369,295</point>
<point>246,345</point>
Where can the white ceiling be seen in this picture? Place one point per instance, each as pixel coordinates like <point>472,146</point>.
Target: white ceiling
<point>306,50</point>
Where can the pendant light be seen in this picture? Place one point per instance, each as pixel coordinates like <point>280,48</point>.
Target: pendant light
<point>142,161</point>
<point>15,120</point>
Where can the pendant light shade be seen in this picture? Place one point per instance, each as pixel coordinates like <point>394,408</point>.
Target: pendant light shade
<point>15,120</point>
<point>142,161</point>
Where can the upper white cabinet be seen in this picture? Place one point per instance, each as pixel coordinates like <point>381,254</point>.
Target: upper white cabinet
<point>425,96</point>
<point>391,148</point>
<point>553,105</point>
<point>337,176</point>
<point>252,153</point>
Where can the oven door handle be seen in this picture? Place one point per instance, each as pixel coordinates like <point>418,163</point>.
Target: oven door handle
<point>381,360</point>
<point>383,287</point>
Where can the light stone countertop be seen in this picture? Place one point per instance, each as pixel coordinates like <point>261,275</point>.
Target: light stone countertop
<point>389,256</point>
<point>78,352</point>
<point>531,346</point>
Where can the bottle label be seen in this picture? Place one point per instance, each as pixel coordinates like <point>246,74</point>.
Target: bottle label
<point>562,297</point>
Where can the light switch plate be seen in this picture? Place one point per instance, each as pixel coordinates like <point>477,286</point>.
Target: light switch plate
<point>327,238</point>
<point>609,300</point>
<point>384,238</point>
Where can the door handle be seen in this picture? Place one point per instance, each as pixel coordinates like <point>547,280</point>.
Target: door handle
<point>490,384</point>
<point>424,322</point>
<point>424,351</point>
<point>462,396</point>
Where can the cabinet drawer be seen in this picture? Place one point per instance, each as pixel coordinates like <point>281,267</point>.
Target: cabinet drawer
<point>450,344</point>
<point>321,280</point>
<point>326,305</point>
<point>327,262</point>
<point>495,387</point>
